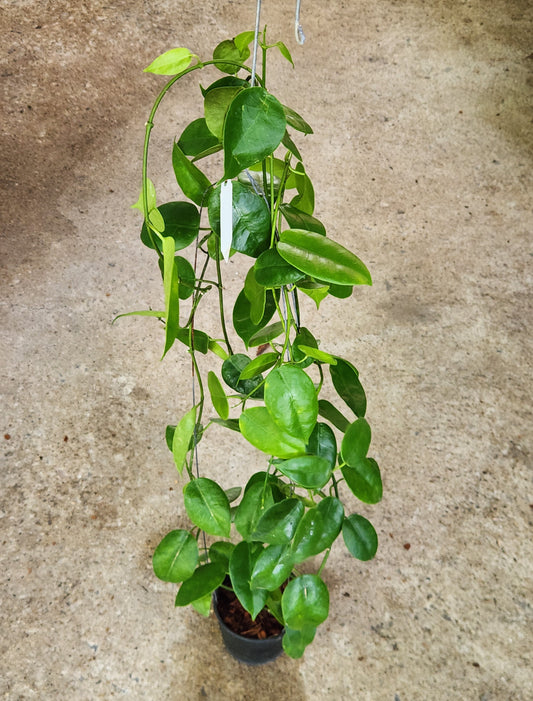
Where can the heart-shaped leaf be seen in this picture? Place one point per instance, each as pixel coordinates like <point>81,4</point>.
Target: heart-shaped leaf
<point>305,602</point>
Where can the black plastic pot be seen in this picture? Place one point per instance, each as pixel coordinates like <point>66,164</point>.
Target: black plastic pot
<point>252,651</point>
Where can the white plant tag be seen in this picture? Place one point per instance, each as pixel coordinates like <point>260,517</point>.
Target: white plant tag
<point>226,218</point>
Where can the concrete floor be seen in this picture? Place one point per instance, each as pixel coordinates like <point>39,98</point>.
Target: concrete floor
<point>422,163</point>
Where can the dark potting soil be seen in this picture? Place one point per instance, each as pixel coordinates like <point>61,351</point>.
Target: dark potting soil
<point>240,621</point>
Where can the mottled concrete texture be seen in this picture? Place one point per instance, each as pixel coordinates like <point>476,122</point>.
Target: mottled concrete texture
<point>421,160</point>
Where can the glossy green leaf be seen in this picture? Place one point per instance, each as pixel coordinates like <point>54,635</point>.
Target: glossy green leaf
<point>364,479</point>
<point>318,529</point>
<point>296,122</point>
<point>360,537</point>
<point>296,219</point>
<point>271,270</point>
<point>291,146</point>
<point>231,372</point>
<point>272,567</point>
<point>340,291</point>
<point>232,424</point>
<point>241,566</point>
<point>233,493</point>
<point>171,62</point>
<point>332,414</point>
<point>216,105</point>
<point>322,258</point>
<point>228,51</point>
<point>203,605</point>
<point>285,52</point>
<point>305,602</point>
<point>221,552</point>
<point>203,582</point>
<point>207,506</point>
<point>306,338</point>
<point>176,556</point>
<point>181,438</point>
<point>191,180</point>
<point>356,441</point>
<point>218,396</point>
<point>309,471</point>
<point>295,641</point>
<point>345,379</point>
<point>322,443</point>
<point>258,365</point>
<point>250,216</point>
<point>242,322</point>
<point>266,334</point>
<point>256,500</point>
<point>315,292</point>
<point>256,295</point>
<point>305,199</point>
<point>242,42</point>
<point>225,82</point>
<point>259,429</point>
<point>278,524</point>
<point>290,397</point>
<point>193,338</point>
<point>143,312</point>
<point>196,138</point>
<point>171,287</point>
<point>253,129</point>
<point>317,354</point>
<point>182,221</point>
<point>186,277</point>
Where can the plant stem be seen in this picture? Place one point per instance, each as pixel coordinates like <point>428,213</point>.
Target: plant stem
<point>324,560</point>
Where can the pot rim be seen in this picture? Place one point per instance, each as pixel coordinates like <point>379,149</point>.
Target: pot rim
<point>252,641</point>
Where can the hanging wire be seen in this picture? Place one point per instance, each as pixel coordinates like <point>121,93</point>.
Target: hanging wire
<point>256,41</point>
<point>298,29</point>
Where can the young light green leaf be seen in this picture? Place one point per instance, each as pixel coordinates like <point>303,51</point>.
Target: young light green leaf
<point>171,287</point>
<point>176,556</point>
<point>216,105</point>
<point>171,62</point>
<point>258,365</point>
<point>305,602</point>
<point>319,355</point>
<point>290,397</point>
<point>191,180</point>
<point>256,295</point>
<point>207,506</point>
<point>259,429</point>
<point>203,605</point>
<point>150,199</point>
<point>147,312</point>
<point>218,396</point>
<point>182,438</point>
<point>285,52</point>
<point>360,537</point>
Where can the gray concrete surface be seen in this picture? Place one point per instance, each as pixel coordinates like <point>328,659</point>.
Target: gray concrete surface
<point>423,108</point>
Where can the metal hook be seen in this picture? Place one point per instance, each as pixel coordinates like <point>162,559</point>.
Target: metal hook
<point>256,41</point>
<point>298,29</point>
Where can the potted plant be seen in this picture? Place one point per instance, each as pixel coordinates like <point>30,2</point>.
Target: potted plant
<point>254,543</point>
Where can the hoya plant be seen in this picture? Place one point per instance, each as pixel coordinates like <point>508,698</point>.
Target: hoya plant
<point>264,377</point>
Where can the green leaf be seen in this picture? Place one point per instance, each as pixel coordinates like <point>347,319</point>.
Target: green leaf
<point>226,82</point>
<point>291,146</point>
<point>318,529</point>
<point>241,566</point>
<point>203,582</point>
<point>221,552</point>
<point>360,537</point>
<point>295,121</point>
<point>305,602</point>
<point>278,524</point>
<point>272,567</point>
<point>231,372</point>
<point>232,424</point>
<point>309,471</point>
<point>203,605</point>
<point>250,217</point>
<point>216,105</point>
<point>259,429</point>
<point>297,219</point>
<point>254,127</point>
<point>317,294</point>
<point>182,438</point>
<point>149,312</point>
<point>340,291</point>
<point>186,277</point>
<point>306,338</point>
<point>218,396</point>
<point>207,506</point>
<point>322,258</point>
<point>242,322</point>
<point>356,441</point>
<point>332,414</point>
<point>196,138</point>
<point>290,397</point>
<point>285,52</point>
<point>150,198</point>
<point>256,295</point>
<point>345,379</point>
<point>171,62</point>
<point>271,270</point>
<point>258,365</point>
<point>182,221</point>
<point>256,500</point>
<point>171,287</point>
<point>242,41</point>
<point>295,641</point>
<point>191,180</point>
<point>195,338</point>
<point>322,443</point>
<point>266,334</point>
<point>316,354</point>
<point>176,556</point>
<point>305,199</point>
<point>228,51</point>
<point>364,479</point>
<point>233,493</point>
